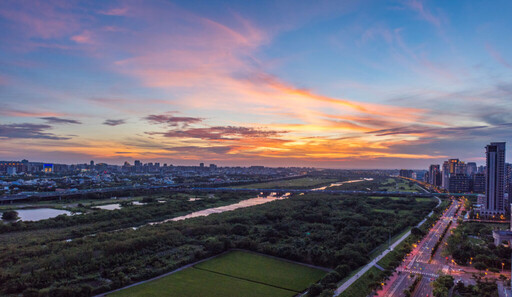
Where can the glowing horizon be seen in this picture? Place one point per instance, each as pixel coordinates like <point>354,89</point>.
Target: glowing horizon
<point>363,84</point>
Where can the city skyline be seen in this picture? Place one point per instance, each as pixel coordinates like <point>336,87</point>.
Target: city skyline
<point>371,84</point>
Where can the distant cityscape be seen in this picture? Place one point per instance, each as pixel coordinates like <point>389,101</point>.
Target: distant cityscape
<point>493,181</point>
<point>19,176</point>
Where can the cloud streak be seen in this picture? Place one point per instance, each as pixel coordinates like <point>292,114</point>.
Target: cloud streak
<point>497,56</point>
<point>424,13</point>
<point>171,120</point>
<point>56,120</point>
<point>220,133</point>
<point>114,122</point>
<point>27,130</point>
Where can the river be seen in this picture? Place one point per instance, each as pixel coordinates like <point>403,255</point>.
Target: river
<point>248,202</point>
<point>220,209</point>
<point>241,204</point>
<point>337,184</point>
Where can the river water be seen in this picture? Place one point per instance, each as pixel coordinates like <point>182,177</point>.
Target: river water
<point>220,209</point>
<point>342,183</point>
<point>247,203</point>
<point>38,214</point>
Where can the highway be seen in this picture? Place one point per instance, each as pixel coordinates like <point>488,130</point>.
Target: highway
<point>418,262</point>
<point>181,188</point>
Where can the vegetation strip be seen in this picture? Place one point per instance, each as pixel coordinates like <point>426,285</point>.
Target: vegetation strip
<point>410,291</point>
<point>440,240</point>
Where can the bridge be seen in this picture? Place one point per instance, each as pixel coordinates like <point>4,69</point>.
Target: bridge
<point>184,188</point>
<point>371,193</point>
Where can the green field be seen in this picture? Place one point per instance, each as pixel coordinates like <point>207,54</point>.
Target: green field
<point>398,184</point>
<point>418,199</point>
<point>303,182</point>
<point>233,274</point>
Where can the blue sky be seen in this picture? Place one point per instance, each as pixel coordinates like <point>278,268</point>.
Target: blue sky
<point>352,84</point>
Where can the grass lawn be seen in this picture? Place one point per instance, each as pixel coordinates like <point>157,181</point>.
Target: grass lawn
<point>418,199</point>
<point>193,282</point>
<point>236,273</point>
<point>263,269</point>
<point>382,197</point>
<point>398,184</point>
<point>303,182</point>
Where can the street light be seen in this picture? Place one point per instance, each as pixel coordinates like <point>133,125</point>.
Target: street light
<point>502,266</point>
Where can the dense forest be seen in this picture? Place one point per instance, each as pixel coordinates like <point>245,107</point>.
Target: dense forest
<point>328,230</point>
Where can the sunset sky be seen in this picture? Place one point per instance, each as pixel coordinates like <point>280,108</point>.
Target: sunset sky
<point>339,84</point>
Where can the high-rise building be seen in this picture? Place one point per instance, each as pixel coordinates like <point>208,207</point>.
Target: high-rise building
<point>426,177</point>
<point>459,183</point>
<point>434,175</point>
<point>406,173</point>
<point>471,168</point>
<point>508,178</point>
<point>460,167</point>
<point>201,165</point>
<point>92,163</point>
<point>445,175</point>
<point>452,166</point>
<point>478,183</point>
<point>495,178</point>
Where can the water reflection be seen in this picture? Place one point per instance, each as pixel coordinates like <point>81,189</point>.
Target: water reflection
<point>241,204</point>
<point>342,183</point>
<point>110,206</point>
<point>38,214</point>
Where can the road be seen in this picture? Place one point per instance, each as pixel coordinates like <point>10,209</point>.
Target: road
<point>419,261</point>
<point>181,188</point>
<point>367,267</point>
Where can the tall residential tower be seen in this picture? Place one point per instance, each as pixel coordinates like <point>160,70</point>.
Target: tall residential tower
<point>495,179</point>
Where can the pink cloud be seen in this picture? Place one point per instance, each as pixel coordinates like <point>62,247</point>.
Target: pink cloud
<point>27,113</point>
<point>42,19</point>
<point>84,37</point>
<point>425,14</point>
<point>497,56</point>
<point>115,11</point>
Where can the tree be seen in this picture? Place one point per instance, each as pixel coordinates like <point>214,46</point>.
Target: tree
<point>10,215</point>
<point>148,200</point>
<point>240,229</point>
<point>314,290</point>
<point>343,270</point>
<point>417,231</point>
<point>480,266</point>
<point>442,285</point>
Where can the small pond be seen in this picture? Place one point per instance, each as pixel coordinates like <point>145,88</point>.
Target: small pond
<point>38,214</point>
